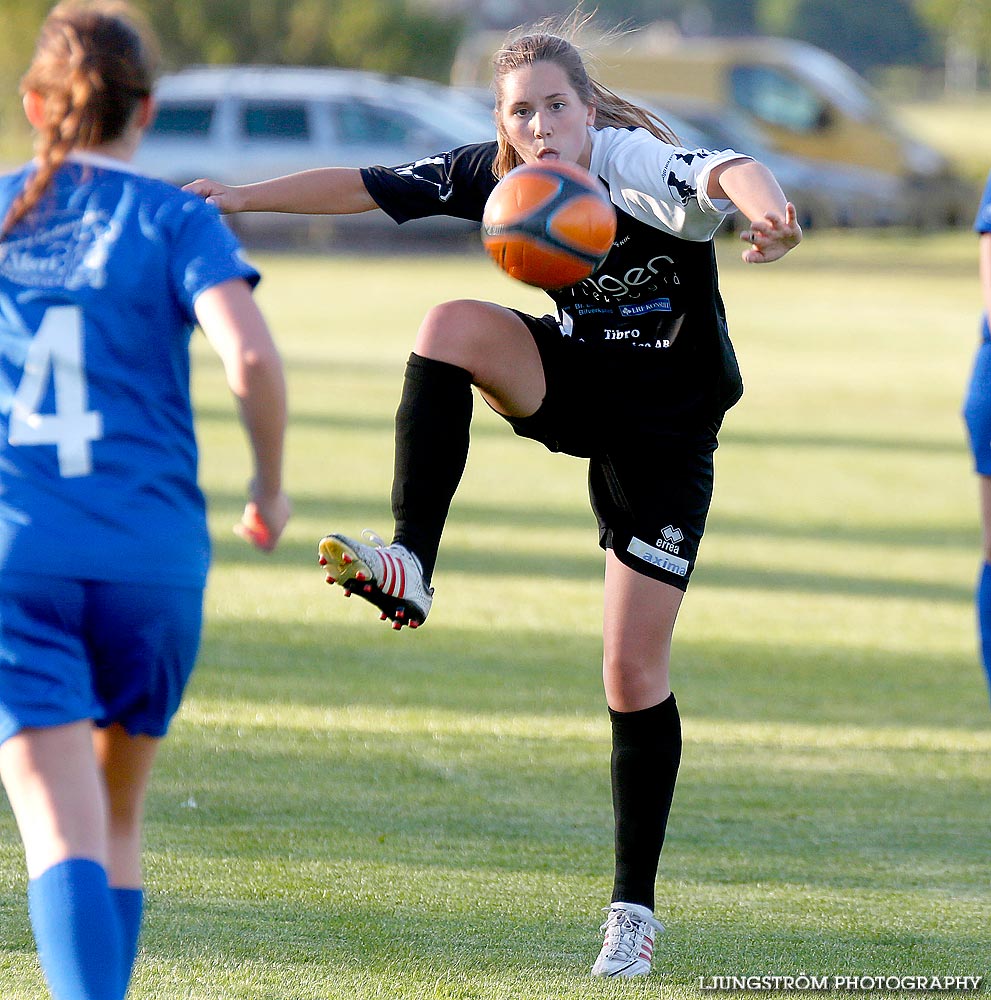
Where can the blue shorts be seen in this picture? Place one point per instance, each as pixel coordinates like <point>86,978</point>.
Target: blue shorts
<point>83,649</point>
<point>977,410</point>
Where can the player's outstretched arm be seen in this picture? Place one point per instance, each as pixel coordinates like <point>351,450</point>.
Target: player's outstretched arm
<point>774,228</point>
<point>324,191</point>
<point>772,236</point>
<point>237,331</point>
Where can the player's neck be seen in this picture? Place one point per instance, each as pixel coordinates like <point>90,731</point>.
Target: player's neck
<point>123,148</point>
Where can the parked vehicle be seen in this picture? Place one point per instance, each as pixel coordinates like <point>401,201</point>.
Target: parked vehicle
<point>825,194</point>
<point>239,124</point>
<point>807,102</point>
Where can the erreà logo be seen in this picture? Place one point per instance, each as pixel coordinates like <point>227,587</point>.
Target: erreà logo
<point>670,538</point>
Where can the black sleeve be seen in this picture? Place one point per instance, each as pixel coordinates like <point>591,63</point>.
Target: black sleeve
<point>456,183</point>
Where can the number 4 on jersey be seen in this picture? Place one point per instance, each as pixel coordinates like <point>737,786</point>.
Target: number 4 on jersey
<point>56,351</point>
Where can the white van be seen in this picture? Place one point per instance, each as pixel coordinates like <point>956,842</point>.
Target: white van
<point>807,102</point>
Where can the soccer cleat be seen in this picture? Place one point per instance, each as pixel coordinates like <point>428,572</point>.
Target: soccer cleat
<point>629,944</point>
<point>388,576</point>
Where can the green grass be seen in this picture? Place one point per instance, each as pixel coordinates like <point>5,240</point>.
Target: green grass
<point>346,812</point>
<point>959,126</point>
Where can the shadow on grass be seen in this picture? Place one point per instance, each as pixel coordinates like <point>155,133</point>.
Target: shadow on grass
<point>845,442</point>
<point>914,536</point>
<point>502,671</point>
<point>803,582</point>
<point>372,949</point>
<point>389,858</point>
<point>361,946</point>
<point>584,565</point>
<point>492,426</point>
<point>814,815</point>
<point>320,838</point>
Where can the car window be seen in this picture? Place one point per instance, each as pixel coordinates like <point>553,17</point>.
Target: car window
<point>776,97</point>
<point>357,121</point>
<point>282,120</point>
<point>183,118</point>
<point>843,86</point>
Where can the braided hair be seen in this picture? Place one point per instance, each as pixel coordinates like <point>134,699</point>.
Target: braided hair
<point>93,63</point>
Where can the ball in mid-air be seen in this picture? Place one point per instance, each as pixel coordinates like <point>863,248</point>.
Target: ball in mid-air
<point>548,224</point>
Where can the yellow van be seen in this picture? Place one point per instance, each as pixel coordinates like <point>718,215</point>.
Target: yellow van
<point>807,102</point>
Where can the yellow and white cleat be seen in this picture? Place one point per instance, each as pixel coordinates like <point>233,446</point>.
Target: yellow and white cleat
<point>388,576</point>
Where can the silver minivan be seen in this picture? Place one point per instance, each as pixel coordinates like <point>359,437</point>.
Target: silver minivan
<point>239,124</point>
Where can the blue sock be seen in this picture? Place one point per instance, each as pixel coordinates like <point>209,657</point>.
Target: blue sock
<point>77,931</point>
<point>130,906</point>
<point>984,618</point>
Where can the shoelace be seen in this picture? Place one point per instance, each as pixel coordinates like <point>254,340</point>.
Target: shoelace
<point>378,542</point>
<point>624,933</point>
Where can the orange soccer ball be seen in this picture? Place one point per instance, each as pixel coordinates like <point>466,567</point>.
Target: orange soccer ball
<point>549,224</point>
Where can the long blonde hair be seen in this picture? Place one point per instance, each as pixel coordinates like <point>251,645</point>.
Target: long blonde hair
<point>556,42</point>
<point>94,61</point>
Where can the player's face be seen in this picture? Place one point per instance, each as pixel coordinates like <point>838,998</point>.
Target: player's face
<point>543,116</point>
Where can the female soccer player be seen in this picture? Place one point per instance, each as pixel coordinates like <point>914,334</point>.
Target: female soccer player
<point>977,414</point>
<point>645,337</point>
<point>103,536</point>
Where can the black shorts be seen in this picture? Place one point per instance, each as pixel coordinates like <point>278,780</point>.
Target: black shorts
<point>650,489</point>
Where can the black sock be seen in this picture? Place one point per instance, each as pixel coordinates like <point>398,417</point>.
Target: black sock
<point>645,757</point>
<point>432,428</point>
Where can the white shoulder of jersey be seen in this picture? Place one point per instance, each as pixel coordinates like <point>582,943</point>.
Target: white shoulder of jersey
<point>660,184</point>
<point>106,162</point>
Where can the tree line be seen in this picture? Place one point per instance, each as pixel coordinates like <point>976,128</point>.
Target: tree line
<point>392,36</point>
<point>867,36</point>
<point>410,37</point>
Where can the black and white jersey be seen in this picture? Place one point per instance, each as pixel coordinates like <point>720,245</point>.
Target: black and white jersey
<point>651,314</point>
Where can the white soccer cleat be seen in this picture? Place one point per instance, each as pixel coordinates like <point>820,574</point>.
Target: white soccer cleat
<point>388,576</point>
<point>629,944</point>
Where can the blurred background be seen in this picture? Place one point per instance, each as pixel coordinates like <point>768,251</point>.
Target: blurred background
<point>870,114</point>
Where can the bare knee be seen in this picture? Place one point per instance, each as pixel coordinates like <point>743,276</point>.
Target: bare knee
<point>493,345</point>
<point>453,332</point>
<point>633,683</point>
<point>124,815</point>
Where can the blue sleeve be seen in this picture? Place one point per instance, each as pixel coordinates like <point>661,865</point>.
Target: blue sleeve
<point>205,253</point>
<point>982,224</point>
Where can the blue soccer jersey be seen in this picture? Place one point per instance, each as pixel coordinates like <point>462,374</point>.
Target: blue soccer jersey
<point>98,458</point>
<point>982,224</point>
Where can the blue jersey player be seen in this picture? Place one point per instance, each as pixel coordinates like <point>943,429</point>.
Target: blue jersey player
<point>977,414</point>
<point>645,337</point>
<point>103,539</point>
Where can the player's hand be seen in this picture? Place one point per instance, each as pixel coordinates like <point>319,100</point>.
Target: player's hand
<point>264,520</point>
<point>224,196</point>
<point>771,237</point>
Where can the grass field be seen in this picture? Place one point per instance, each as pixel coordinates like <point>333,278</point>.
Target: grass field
<point>347,812</point>
<point>960,127</point>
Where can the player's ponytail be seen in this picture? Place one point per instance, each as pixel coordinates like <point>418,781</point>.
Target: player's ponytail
<point>93,63</point>
<point>556,42</point>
